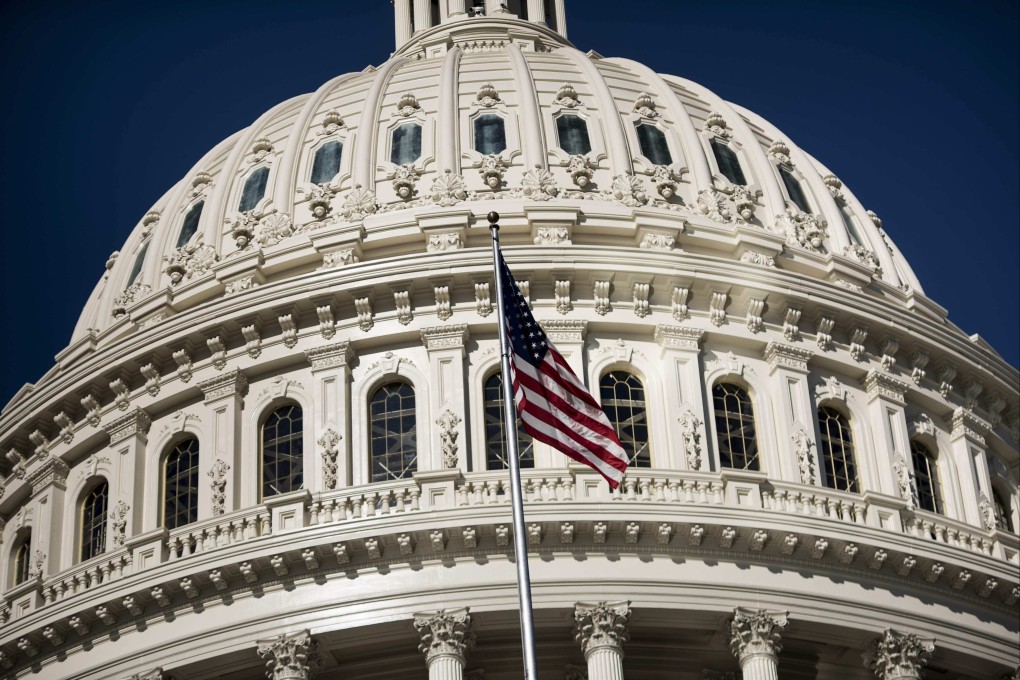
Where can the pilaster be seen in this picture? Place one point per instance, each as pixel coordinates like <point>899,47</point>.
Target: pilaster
<point>886,402</point>
<point>292,656</point>
<point>445,639</point>
<point>683,387</point>
<point>601,629</point>
<point>795,426</point>
<point>756,641</point>
<point>48,482</point>
<point>445,347</point>
<point>967,446</point>
<point>331,377</point>
<point>222,465</point>
<point>898,656</point>
<point>128,437</point>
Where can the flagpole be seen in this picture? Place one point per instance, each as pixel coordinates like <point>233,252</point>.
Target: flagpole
<point>516,497</point>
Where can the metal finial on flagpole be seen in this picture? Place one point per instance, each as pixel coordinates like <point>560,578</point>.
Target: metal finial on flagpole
<point>517,499</point>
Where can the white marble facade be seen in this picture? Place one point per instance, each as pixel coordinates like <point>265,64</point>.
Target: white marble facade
<point>644,253</point>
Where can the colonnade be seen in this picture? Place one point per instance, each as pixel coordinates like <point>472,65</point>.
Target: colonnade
<point>601,629</point>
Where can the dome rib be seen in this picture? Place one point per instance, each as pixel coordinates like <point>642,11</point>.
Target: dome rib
<point>448,118</point>
<point>693,150</point>
<point>621,161</point>
<point>363,171</point>
<point>535,147</point>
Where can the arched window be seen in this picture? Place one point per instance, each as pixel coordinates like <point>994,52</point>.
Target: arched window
<point>490,134</point>
<point>839,469</point>
<point>392,423</point>
<point>572,134</point>
<point>926,477</point>
<point>23,560</point>
<point>190,223</point>
<point>136,268</point>
<point>734,425</point>
<point>653,144</point>
<point>623,400</point>
<point>93,521</point>
<point>496,457</point>
<point>254,189</point>
<point>794,190</point>
<point>282,451</point>
<point>180,484</point>
<point>727,161</point>
<point>326,163</point>
<point>406,144</point>
<point>1003,516</point>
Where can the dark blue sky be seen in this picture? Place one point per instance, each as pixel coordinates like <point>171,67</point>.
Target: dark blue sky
<point>913,104</point>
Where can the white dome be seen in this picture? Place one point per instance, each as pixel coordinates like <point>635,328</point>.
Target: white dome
<point>275,432</point>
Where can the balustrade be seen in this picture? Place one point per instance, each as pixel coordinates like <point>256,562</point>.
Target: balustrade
<point>218,532</point>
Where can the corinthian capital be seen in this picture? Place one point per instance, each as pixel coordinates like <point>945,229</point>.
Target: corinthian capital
<point>755,632</point>
<point>899,656</point>
<point>293,656</point>
<point>601,625</point>
<point>446,632</point>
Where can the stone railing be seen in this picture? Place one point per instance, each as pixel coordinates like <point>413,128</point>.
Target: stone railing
<point>377,500</point>
<point>106,568</point>
<point>218,532</point>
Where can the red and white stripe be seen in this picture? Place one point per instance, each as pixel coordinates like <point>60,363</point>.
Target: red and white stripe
<point>555,408</point>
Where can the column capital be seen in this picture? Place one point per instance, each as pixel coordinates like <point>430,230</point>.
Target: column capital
<point>52,470</point>
<point>291,656</point>
<point>565,330</point>
<point>134,424</point>
<point>679,337</point>
<point>453,336</point>
<point>966,424</point>
<point>444,633</point>
<point>756,632</point>
<point>601,625</point>
<point>154,674</point>
<point>787,356</point>
<point>232,383</point>
<point>883,385</point>
<point>899,656</point>
<point>333,355</point>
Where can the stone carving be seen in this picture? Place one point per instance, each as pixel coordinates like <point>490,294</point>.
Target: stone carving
<point>834,186</point>
<point>601,294</point>
<point>330,452</point>
<point>717,308</point>
<point>644,106</point>
<point>859,253</point>
<point>492,169</point>
<point>755,307</point>
<point>581,171</point>
<point>552,236</point>
<point>628,189</point>
<point>242,229</point>
<point>448,433</point>
<point>987,513</point>
<point>320,201</point>
<point>448,189</point>
<point>691,426</point>
<point>444,633</point>
<point>402,300</point>
<point>92,409</point>
<point>804,448</point>
<point>716,124</point>
<point>896,656</point>
<point>653,241</point>
<point>539,184</point>
<point>743,202</point>
<point>713,205</point>
<point>118,522</point>
<point>331,122</point>
<point>363,307</point>
<point>946,375</point>
<point>802,229</point>
<point>858,334</point>
<point>327,325</point>
<point>191,259</point>
<point>561,291</point>
<point>791,324</point>
<point>602,625</point>
<point>640,296</point>
<point>780,152</point>
<point>274,228</point>
<point>905,481</point>
<point>339,258</point>
<point>488,96</point>
<point>240,285</point>
<point>756,633</point>
<point>407,105</point>
<point>442,242</point>
<point>824,336</point>
<point>727,536</point>
<point>404,179</point>
<point>292,656</point>
<point>751,257</point>
<point>358,204</point>
<point>131,295</point>
<point>566,96</point>
<point>218,481</point>
<point>483,300</point>
<point>679,302</point>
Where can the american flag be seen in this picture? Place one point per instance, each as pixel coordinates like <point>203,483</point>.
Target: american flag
<point>554,406</point>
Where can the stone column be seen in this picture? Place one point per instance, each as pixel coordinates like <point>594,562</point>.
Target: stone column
<point>536,11</point>
<point>445,346</point>
<point>445,639</point>
<point>886,405</point>
<point>221,460</point>
<point>457,9</point>
<point>898,656</point>
<point>796,422</point>
<point>331,373</point>
<point>128,437</point>
<point>685,392</point>
<point>402,15</point>
<point>292,656</point>
<point>48,483</point>
<point>601,629</point>
<point>422,15</point>
<point>755,641</point>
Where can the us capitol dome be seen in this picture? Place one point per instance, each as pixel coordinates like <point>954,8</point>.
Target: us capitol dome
<point>273,447</point>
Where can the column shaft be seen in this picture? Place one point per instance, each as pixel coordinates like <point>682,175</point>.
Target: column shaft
<point>759,667</point>
<point>605,663</point>
<point>402,10</point>
<point>422,15</point>
<point>446,667</point>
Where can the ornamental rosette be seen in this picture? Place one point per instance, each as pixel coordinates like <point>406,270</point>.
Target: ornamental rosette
<point>713,205</point>
<point>539,185</point>
<point>629,190</point>
<point>360,203</point>
<point>601,625</point>
<point>802,229</point>
<point>191,259</point>
<point>274,228</point>
<point>448,189</point>
<point>444,633</point>
<point>899,655</point>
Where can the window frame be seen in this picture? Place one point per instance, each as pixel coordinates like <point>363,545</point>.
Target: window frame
<point>406,470</point>
<point>268,413</point>
<point>714,142</point>
<point>855,485</point>
<point>729,381</point>
<point>314,151</point>
<point>262,169</point>
<point>473,130</point>
<point>197,205</point>
<point>103,526</point>
<point>21,573</point>
<point>526,458</point>
<point>639,151</point>
<point>643,459</point>
<point>164,462</point>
